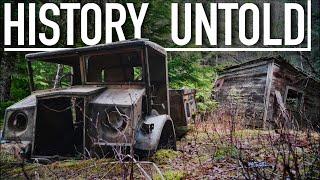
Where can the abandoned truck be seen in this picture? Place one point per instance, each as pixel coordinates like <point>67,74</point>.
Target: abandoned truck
<point>269,91</point>
<point>111,95</point>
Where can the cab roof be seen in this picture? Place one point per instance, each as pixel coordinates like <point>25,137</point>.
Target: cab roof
<point>68,56</point>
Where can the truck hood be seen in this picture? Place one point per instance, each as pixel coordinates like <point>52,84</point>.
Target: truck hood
<point>119,96</point>
<point>106,95</point>
<point>72,91</point>
<point>30,101</point>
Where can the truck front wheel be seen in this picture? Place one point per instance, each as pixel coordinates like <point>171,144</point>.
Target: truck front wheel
<point>168,137</point>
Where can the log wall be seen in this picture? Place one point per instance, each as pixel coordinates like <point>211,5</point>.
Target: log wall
<point>243,88</point>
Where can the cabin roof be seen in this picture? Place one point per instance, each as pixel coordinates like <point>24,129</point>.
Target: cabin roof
<point>278,60</point>
<point>134,43</point>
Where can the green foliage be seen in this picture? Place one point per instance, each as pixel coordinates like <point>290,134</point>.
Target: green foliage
<point>225,151</point>
<point>185,71</point>
<point>19,85</point>
<point>137,71</point>
<point>172,175</point>
<point>19,82</point>
<point>222,66</point>
<point>157,23</point>
<point>44,74</point>
<point>206,106</point>
<point>6,162</point>
<point>164,156</point>
<point>3,106</point>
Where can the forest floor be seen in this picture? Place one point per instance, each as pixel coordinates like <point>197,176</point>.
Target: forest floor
<point>207,151</point>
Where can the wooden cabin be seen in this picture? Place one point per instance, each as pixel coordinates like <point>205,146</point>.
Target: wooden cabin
<point>269,89</point>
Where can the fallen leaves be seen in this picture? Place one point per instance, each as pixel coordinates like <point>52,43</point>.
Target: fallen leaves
<point>204,153</point>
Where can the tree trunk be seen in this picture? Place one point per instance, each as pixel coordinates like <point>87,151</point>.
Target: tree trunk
<point>58,76</point>
<point>6,70</point>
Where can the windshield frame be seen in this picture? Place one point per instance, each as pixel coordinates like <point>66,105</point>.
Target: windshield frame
<point>80,68</point>
<point>31,75</point>
<point>139,51</point>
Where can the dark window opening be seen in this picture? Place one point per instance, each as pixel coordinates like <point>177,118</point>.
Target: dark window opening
<point>294,100</point>
<point>114,68</point>
<point>188,110</point>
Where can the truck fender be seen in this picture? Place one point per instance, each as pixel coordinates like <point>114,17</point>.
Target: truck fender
<point>150,140</point>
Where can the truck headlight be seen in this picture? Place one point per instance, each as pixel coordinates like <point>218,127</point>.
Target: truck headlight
<point>18,122</point>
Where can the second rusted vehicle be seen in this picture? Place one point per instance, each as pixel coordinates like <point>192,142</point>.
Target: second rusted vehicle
<point>183,109</point>
<point>116,95</point>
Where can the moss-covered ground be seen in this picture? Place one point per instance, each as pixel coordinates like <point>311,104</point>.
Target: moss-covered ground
<point>205,152</point>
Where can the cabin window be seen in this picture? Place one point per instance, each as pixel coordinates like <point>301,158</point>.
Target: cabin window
<point>45,75</point>
<point>188,110</point>
<point>103,75</point>
<point>114,68</point>
<point>294,100</point>
<point>137,71</point>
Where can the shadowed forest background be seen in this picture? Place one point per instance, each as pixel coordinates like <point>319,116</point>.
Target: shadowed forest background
<point>186,69</point>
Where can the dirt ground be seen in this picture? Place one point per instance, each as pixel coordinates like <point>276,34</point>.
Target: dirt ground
<point>207,151</point>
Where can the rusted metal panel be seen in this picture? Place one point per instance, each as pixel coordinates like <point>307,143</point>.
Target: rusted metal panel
<point>75,91</point>
<point>105,129</point>
<point>182,108</point>
<point>26,133</point>
<point>71,91</point>
<point>66,53</point>
<point>121,97</point>
<point>29,101</point>
<point>150,141</point>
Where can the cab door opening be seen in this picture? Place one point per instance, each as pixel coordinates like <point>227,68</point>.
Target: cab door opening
<point>59,127</point>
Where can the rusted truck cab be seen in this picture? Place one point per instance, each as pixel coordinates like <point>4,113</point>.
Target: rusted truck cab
<point>118,96</point>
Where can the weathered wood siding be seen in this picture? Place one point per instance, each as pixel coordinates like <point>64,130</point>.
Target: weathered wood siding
<point>244,87</point>
<point>283,76</point>
<point>251,87</point>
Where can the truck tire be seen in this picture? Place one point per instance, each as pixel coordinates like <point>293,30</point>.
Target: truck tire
<point>168,137</point>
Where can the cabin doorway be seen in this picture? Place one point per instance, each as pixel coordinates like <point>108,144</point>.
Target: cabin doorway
<point>294,104</point>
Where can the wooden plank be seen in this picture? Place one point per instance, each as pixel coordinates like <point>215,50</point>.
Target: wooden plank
<point>82,70</point>
<point>283,109</point>
<point>259,69</point>
<point>267,93</point>
<point>245,75</point>
<point>241,68</point>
